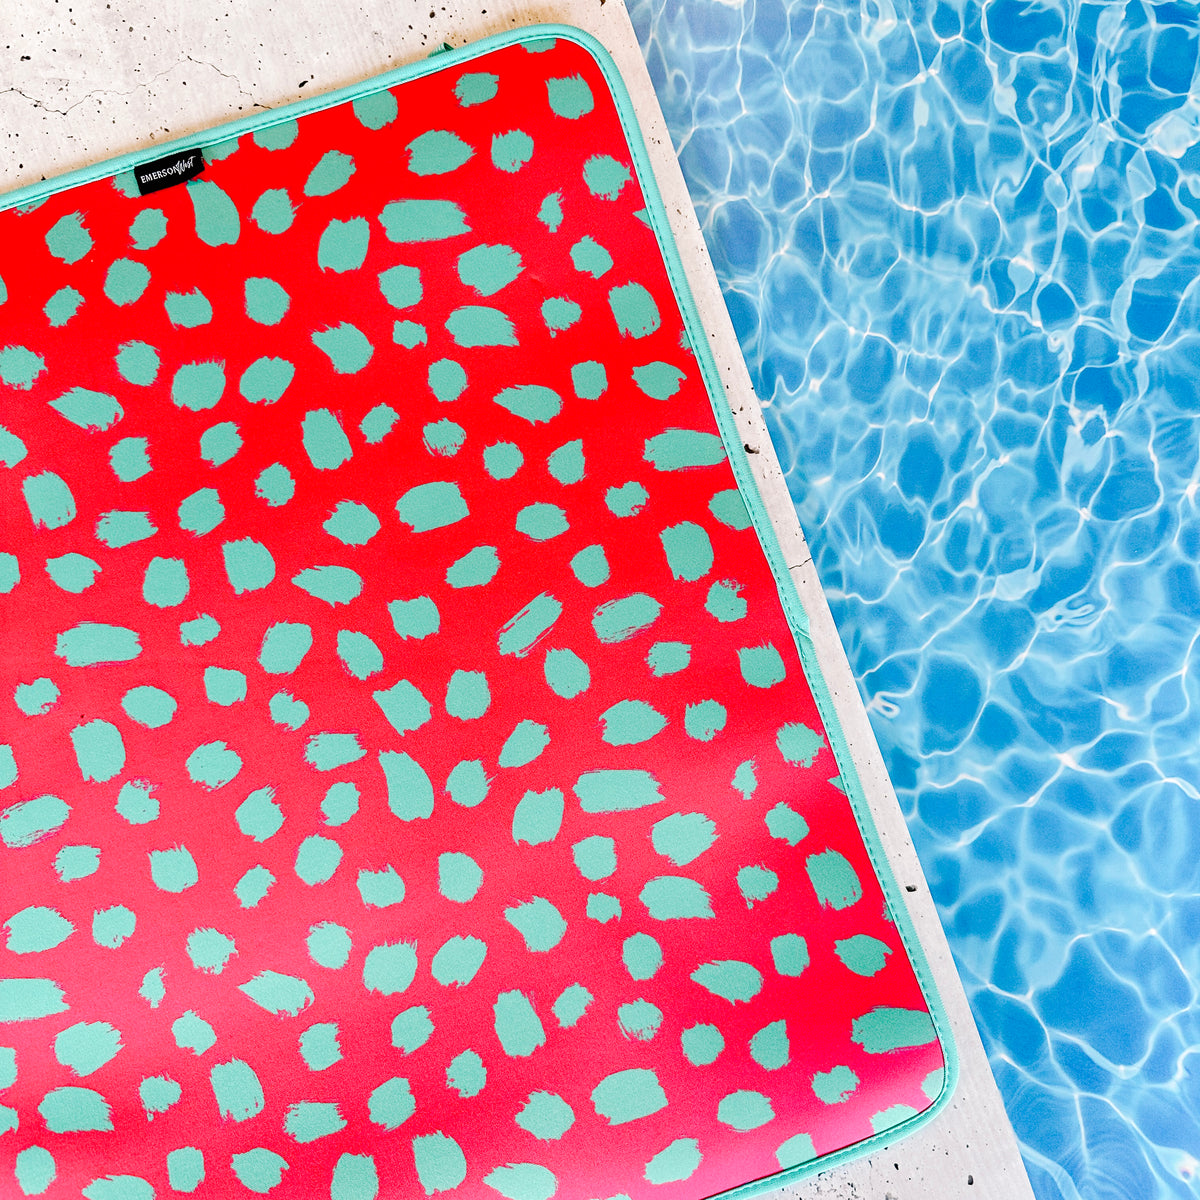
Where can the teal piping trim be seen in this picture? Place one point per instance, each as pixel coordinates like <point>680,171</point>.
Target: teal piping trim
<point>34,194</point>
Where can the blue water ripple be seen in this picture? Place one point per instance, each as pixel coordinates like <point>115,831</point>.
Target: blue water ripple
<point>959,246</point>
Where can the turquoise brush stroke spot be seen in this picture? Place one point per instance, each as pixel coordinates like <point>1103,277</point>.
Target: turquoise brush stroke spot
<point>343,245</point>
<point>737,982</point>
<point>201,512</point>
<point>210,950</point>
<point>546,1116</point>
<point>35,1170</point>
<point>476,87</point>
<point>676,1162</point>
<point>605,177</point>
<point>730,509</point>
<point>836,1086</point>
<point>359,654</point>
<point>619,620</point>
<point>524,744</point>
<point>589,379</point>
<point>476,568</point>
<point>627,500</point>
<point>317,859</point>
<point>35,929</point>
<point>307,1120</point>
<point>129,459</point>
<point>340,803</point>
<point>668,658</point>
<point>423,221</point>
<point>319,1046</point>
<point>404,706</point>
<point>431,506</point>
<point>99,750</point>
<point>377,110</point>
<point>473,325</point>
<point>703,721</point>
<point>524,630</point>
<point>389,969</point>
<point>466,1074</point>
<point>550,213</point>
<point>220,443</point>
<point>378,423</point>
<point>148,228</point>
<point>489,268</point>
<point>756,883</point>
<point>458,961</point>
<point>675,898</point>
<point>630,722</point>
<point>570,97</point>
<point>237,1090</point>
<point>833,880</point>
<point>511,150</point>
<point>391,1103</point>
<point>185,1169</point>
<point>332,172</point>
<point>118,529</point>
<point>798,744</point>
<point>29,999</point>
<point>75,1110</point>
<point>467,695</point>
<point>217,221</point>
<point>265,300</point>
<point>634,310</point>
<point>468,783</point>
<point>125,281</point>
<point>440,1163</point>
<point>560,314</point>
<point>68,239</point>
<point>401,286</point>
<point>444,438</point>
<point>522,1181</point>
<point>10,572</point>
<point>539,923</point>
<point>683,837</point>
<point>589,257</point>
<point>789,952</point>
<point>572,1004</point>
<point>112,927</point>
<point>380,889</point>
<point>533,402</point>
<point>165,583</point>
<point>12,449</point>
<point>590,566</point>
<point>136,802</point>
<point>607,791</point>
<point>93,411</point>
<point>333,584</point>
<point>249,566</point>
<point>37,697</point>
<point>73,573</point>
<point>769,1047</point>
<point>213,765</point>
<point>538,817</point>
<point>266,379</point>
<point>278,136</point>
<point>724,601</point>
<point>885,1029</point>
<point>689,554</point>
<point>603,908</point>
<point>417,618</point>
<point>198,632</point>
<point>275,485</point>
<point>595,856</point>
<point>252,888</point>
<point>447,380</point>
<point>863,954</point>
<point>258,816</point>
<point>566,464</point>
<point>89,643</point>
<point>658,380</point>
<point>761,666</point>
<point>409,790</point>
<point>173,870</point>
<point>273,211</point>
<point>502,460</point>
<point>224,686</point>
<point>459,877</point>
<point>188,310</point>
<point>282,995</point>
<point>329,751</point>
<point>437,152</point>
<point>346,347</point>
<point>137,363</point>
<point>628,1095</point>
<point>784,822</point>
<point>8,776</point>
<point>157,1093</point>
<point>259,1170</point>
<point>702,1044</point>
<point>19,367</point>
<point>639,1020</point>
<point>542,522</point>
<point>49,500</point>
<point>517,1025</point>
<point>353,524</point>
<point>745,1110</point>
<point>683,449</point>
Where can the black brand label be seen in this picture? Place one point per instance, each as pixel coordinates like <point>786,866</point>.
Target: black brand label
<point>166,172</point>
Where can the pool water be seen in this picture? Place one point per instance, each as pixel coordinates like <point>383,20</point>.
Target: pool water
<point>959,246</point>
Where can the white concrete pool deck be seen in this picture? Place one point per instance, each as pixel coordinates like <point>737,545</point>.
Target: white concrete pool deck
<point>84,80</point>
